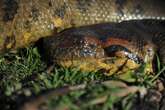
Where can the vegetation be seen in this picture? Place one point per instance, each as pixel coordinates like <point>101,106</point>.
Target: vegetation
<point>24,75</point>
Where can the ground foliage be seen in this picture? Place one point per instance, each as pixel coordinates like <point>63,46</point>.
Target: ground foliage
<point>24,75</point>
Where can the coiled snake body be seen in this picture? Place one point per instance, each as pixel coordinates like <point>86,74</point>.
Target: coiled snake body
<point>25,21</point>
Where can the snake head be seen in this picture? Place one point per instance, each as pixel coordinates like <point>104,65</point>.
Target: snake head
<point>84,48</point>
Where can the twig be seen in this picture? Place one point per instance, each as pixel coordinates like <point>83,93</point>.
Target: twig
<point>34,103</point>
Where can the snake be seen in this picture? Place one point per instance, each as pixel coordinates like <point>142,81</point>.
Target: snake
<point>23,22</point>
<point>109,47</point>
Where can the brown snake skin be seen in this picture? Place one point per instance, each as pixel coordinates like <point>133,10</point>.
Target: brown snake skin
<point>25,21</point>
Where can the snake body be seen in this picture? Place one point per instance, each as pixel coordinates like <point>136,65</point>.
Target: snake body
<point>25,21</point>
<point>109,46</point>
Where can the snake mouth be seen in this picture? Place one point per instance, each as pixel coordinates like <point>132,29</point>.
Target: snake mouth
<point>111,60</point>
<point>108,65</point>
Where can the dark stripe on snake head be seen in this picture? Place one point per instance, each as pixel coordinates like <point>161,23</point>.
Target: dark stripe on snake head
<point>111,50</point>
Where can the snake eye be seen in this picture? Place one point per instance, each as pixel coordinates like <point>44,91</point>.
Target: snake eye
<point>120,51</point>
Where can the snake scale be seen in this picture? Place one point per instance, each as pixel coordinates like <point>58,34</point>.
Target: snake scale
<point>25,21</point>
